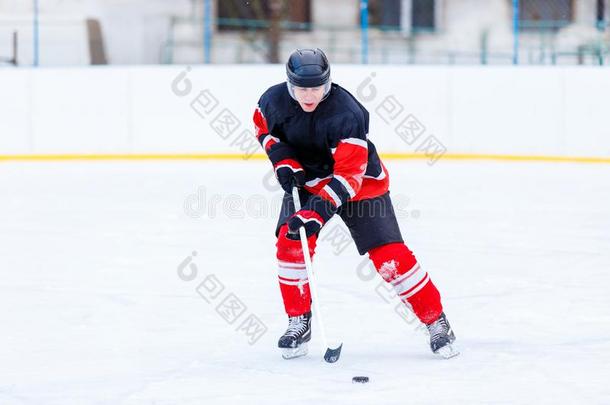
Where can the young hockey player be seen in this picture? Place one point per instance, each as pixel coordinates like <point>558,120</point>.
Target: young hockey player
<point>316,135</point>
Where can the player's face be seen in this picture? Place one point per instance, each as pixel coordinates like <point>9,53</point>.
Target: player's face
<point>309,97</point>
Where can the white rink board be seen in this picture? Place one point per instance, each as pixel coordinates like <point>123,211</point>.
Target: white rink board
<point>480,110</point>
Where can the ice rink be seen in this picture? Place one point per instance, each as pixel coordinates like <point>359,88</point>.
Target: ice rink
<point>103,300</point>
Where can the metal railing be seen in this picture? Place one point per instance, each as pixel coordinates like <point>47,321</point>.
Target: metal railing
<point>381,37</point>
<point>389,44</point>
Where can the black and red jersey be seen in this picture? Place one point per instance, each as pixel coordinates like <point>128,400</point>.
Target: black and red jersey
<point>331,143</point>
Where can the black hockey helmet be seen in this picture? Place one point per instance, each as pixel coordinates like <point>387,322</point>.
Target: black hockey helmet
<point>308,68</point>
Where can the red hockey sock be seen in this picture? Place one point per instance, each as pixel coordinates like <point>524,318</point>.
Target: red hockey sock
<point>397,265</point>
<point>292,274</point>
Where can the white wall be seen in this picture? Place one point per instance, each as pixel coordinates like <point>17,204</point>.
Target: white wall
<point>503,110</point>
<point>63,40</point>
<point>134,31</point>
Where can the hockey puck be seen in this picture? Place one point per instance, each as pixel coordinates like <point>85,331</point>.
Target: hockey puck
<point>360,379</point>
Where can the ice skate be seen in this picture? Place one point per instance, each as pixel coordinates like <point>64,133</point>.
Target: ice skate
<point>293,342</point>
<point>442,338</point>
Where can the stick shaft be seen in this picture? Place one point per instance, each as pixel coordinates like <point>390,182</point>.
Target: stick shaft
<point>309,267</point>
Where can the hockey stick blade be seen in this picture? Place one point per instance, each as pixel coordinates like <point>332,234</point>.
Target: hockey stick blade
<point>332,355</point>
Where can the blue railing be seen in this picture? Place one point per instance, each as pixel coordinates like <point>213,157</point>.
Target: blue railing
<point>390,45</point>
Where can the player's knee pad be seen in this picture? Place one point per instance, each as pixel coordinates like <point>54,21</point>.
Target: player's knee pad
<point>289,250</point>
<point>392,260</point>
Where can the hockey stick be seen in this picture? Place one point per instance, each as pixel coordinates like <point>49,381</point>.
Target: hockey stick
<point>331,355</point>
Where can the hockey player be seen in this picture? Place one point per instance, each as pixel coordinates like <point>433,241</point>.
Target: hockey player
<point>316,135</point>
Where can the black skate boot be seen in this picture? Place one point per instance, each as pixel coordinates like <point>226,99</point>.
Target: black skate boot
<point>294,341</point>
<point>442,337</point>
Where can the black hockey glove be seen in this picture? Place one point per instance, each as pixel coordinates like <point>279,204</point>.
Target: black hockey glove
<point>314,214</point>
<point>289,173</point>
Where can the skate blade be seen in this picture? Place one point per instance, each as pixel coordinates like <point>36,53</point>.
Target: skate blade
<point>300,351</point>
<point>447,352</point>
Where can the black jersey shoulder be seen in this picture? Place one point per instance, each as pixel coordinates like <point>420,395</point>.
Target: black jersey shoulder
<point>342,110</point>
<point>343,100</point>
<point>275,103</point>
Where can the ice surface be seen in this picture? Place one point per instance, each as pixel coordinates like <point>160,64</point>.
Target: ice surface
<point>95,311</point>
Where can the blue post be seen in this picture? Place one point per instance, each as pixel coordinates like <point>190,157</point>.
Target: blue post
<point>515,32</point>
<point>364,23</point>
<point>207,31</point>
<point>36,35</point>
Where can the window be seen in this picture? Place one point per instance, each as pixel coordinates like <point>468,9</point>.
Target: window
<point>545,14</point>
<point>385,13</point>
<point>422,15</point>
<point>406,15</point>
<point>255,14</point>
<point>600,17</point>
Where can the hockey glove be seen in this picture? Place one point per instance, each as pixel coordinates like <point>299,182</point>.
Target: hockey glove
<point>314,214</point>
<point>289,173</point>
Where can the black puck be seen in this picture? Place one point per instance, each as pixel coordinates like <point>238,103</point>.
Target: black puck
<point>360,379</point>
